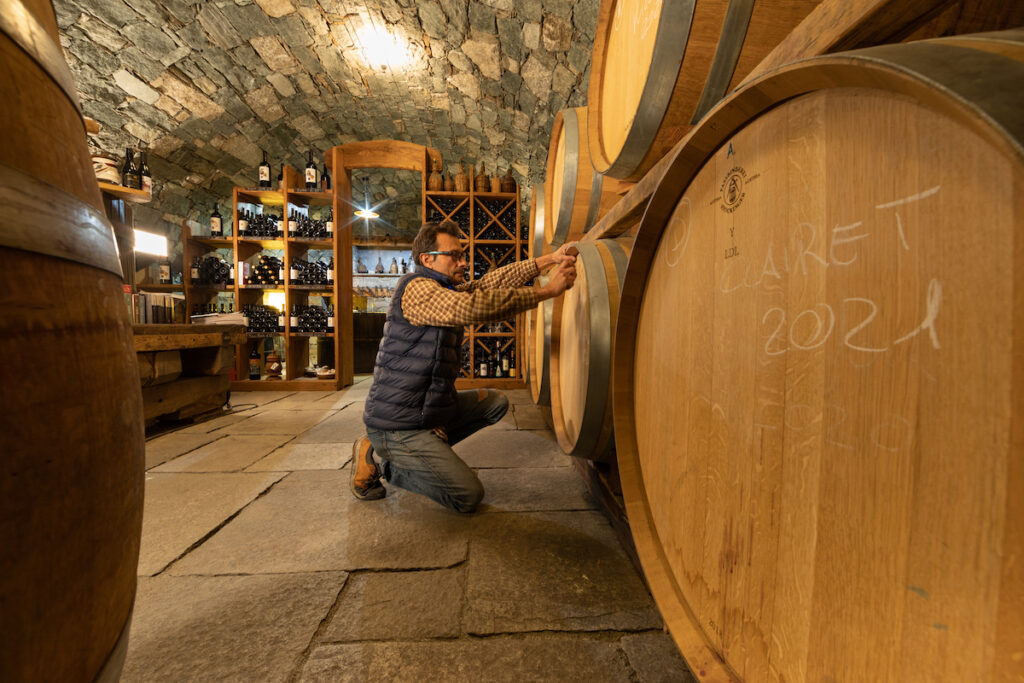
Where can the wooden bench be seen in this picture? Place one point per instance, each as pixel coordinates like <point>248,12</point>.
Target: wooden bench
<point>185,370</point>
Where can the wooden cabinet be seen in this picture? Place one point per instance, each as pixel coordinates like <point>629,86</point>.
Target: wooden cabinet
<point>295,347</point>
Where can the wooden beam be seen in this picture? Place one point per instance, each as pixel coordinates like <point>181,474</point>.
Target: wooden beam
<point>169,337</point>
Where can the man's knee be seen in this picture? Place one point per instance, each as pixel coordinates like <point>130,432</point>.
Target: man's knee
<point>497,405</point>
<point>466,499</point>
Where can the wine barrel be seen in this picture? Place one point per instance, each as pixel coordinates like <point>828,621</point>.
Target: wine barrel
<point>71,430</point>
<point>536,249</point>
<point>582,329</point>
<point>540,347</point>
<point>659,65</point>
<point>817,410</point>
<point>576,195</point>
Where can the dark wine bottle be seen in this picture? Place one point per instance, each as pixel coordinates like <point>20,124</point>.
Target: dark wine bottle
<point>129,171</point>
<point>329,223</point>
<point>325,179</point>
<point>310,173</point>
<point>295,317</point>
<point>254,363</point>
<point>293,223</point>
<point>243,222</point>
<point>265,171</point>
<point>145,176</point>
<point>330,318</point>
<point>280,178</point>
<point>216,224</point>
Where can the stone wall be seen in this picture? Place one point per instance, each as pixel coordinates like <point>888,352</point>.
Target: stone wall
<point>207,86</point>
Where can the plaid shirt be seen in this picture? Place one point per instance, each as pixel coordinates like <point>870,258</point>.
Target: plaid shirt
<point>496,296</point>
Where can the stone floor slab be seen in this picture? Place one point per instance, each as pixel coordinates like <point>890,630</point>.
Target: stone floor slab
<point>655,658</point>
<point>399,606</point>
<point>304,456</point>
<point>212,425</point>
<point>507,659</point>
<point>552,571</point>
<point>233,453</point>
<point>169,446</point>
<point>491,447</point>
<point>506,423</point>
<point>525,489</point>
<point>517,396</point>
<point>226,628</point>
<point>344,426</point>
<point>311,522</point>
<point>258,398</point>
<point>529,416</point>
<point>304,400</point>
<point>181,509</point>
<point>351,394</point>
<point>292,422</point>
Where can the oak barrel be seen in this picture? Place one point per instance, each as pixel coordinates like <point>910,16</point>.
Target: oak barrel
<point>575,195</point>
<point>540,347</point>
<point>659,65</point>
<point>582,332</point>
<point>817,409</point>
<point>535,248</point>
<point>71,431</point>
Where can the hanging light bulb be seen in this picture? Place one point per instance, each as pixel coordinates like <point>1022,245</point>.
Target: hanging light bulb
<point>366,212</point>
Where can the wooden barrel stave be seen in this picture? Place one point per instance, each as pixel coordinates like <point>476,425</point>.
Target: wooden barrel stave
<point>536,249</point>
<point>582,333</point>
<point>768,449</point>
<point>71,425</point>
<point>575,195</point>
<point>540,383</point>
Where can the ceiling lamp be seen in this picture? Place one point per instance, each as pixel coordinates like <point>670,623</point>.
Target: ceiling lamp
<point>367,212</point>
<point>381,48</point>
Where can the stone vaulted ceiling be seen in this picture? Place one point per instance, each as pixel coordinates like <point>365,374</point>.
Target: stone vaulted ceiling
<point>207,85</point>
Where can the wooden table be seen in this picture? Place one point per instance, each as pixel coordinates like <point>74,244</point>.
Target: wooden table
<point>185,370</point>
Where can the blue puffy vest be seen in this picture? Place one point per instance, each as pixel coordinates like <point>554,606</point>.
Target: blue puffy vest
<point>416,367</point>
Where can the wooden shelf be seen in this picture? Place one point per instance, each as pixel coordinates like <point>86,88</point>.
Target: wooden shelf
<point>378,274</point>
<point>215,242</point>
<point>260,196</point>
<point>324,335</point>
<point>128,194</point>
<point>379,244</point>
<point>263,335</point>
<point>494,334</point>
<point>496,195</point>
<point>310,242</point>
<point>160,288</point>
<point>263,243</point>
<point>214,288</point>
<point>313,288</point>
<point>313,198</point>
<point>272,288</point>
<point>298,384</point>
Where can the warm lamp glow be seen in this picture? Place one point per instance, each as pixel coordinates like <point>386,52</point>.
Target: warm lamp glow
<point>367,213</point>
<point>276,300</point>
<point>148,243</point>
<point>381,48</point>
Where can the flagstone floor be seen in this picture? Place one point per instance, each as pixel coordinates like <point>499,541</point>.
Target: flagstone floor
<point>257,563</point>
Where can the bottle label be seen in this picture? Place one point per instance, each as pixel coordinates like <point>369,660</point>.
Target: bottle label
<point>243,225</point>
<point>215,226</point>
<point>311,175</point>
<point>294,321</point>
<point>195,273</point>
<point>512,371</point>
<point>330,227</point>
<point>330,323</point>
<point>147,184</point>
<point>264,174</point>
<point>330,274</point>
<point>280,273</point>
<point>293,274</point>
<point>292,225</point>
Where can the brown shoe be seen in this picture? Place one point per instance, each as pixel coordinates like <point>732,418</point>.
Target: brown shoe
<point>365,479</point>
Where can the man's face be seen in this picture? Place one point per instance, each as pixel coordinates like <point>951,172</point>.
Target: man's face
<point>453,267</point>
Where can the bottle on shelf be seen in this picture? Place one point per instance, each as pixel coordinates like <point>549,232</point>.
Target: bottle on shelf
<point>360,266</point>
<point>165,273</point>
<point>512,367</point>
<point>504,364</point>
<point>330,318</point>
<point>221,309</point>
<point>293,272</point>
<point>330,271</point>
<point>293,223</point>
<point>325,179</point>
<point>216,224</point>
<point>280,320</point>
<point>379,268</point>
<point>245,315</point>
<point>482,369</point>
<point>329,223</point>
<point>265,171</point>
<point>129,172</point>
<point>280,179</point>
<point>394,266</point>
<point>310,173</point>
<point>294,322</point>
<point>194,271</point>
<point>405,268</point>
<point>243,222</point>
<point>145,175</point>
<point>254,363</point>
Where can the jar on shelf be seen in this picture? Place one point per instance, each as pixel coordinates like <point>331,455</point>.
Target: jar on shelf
<point>508,183</point>
<point>482,182</point>
<point>449,183</point>
<point>461,179</point>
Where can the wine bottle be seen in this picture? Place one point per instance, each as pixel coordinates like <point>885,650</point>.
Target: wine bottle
<point>293,223</point>
<point>394,266</point>
<point>310,173</point>
<point>145,176</point>
<point>504,363</point>
<point>280,320</point>
<point>330,222</point>
<point>280,178</point>
<point>194,271</point>
<point>330,318</point>
<point>265,171</point>
<point>295,317</point>
<point>512,367</point>
<point>325,179</point>
<point>482,372</point>
<point>243,222</point>
<point>254,363</point>
<point>293,272</point>
<point>216,226</point>
<point>330,271</point>
<point>128,170</point>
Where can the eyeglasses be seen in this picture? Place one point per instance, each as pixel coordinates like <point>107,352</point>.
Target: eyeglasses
<point>453,255</point>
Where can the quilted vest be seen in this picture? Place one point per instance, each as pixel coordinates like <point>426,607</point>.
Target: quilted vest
<point>416,367</point>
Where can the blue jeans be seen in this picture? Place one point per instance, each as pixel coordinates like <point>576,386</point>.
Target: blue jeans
<point>419,460</point>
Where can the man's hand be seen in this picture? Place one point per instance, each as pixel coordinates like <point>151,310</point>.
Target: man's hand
<point>565,254</point>
<point>561,279</point>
